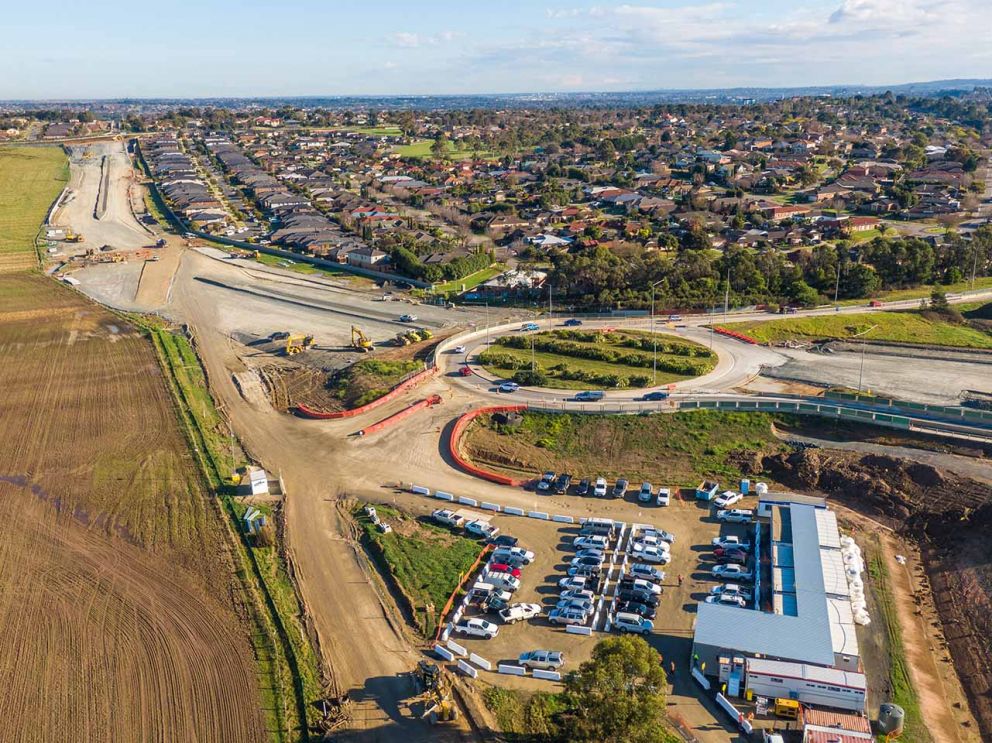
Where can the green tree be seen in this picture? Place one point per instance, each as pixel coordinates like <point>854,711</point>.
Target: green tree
<point>938,301</point>
<point>618,696</point>
<point>439,148</point>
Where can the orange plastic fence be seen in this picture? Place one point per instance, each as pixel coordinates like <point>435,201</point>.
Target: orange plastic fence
<point>734,334</point>
<point>401,414</point>
<point>460,425</point>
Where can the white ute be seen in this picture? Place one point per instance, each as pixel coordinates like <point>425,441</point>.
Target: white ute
<point>518,612</point>
<point>477,628</point>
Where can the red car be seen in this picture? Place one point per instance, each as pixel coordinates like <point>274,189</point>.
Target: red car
<point>499,567</point>
<point>465,371</point>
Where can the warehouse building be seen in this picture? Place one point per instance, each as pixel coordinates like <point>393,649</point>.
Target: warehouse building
<point>799,641</point>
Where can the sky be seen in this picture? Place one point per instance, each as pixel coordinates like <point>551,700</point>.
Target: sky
<point>247,48</point>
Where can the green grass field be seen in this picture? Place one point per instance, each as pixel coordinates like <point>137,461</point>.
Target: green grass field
<point>427,562</point>
<point>371,131</point>
<point>898,327</point>
<point>422,149</point>
<point>923,292</point>
<point>31,178</point>
<point>471,281</point>
<point>309,269</point>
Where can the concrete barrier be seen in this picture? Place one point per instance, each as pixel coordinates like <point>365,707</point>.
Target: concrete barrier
<point>563,519</point>
<point>467,669</point>
<point>447,632</point>
<point>511,670</point>
<point>578,629</point>
<point>444,652</point>
<point>538,515</point>
<point>700,678</point>
<point>513,511</point>
<point>549,675</point>
<point>416,489</point>
<point>456,648</point>
<point>734,713</point>
<point>467,501</point>
<point>490,506</point>
<point>444,496</point>
<point>480,661</point>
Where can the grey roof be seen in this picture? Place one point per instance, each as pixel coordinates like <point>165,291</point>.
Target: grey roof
<point>804,638</point>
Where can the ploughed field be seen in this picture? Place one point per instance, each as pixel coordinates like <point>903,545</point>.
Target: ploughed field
<point>117,596</point>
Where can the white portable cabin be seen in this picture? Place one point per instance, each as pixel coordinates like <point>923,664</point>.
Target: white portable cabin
<point>810,684</point>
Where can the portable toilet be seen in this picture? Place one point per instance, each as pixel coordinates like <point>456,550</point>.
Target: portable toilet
<point>745,487</point>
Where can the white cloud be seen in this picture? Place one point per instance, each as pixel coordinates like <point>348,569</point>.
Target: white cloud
<point>407,40</point>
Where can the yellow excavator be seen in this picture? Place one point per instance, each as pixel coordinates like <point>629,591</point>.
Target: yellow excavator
<point>359,340</point>
<point>298,343</point>
<point>439,706</point>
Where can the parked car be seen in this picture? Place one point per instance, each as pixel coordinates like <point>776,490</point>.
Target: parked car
<point>646,493</point>
<point>652,540</point>
<point>600,489</point>
<point>639,597</point>
<point>547,480</point>
<point>731,543</point>
<point>495,604</point>
<point>447,517</point>
<point>727,499</point>
<point>514,556</point>
<point>641,610</point>
<point>482,529</point>
<point>654,396</point>
<point>529,326</point>
<point>509,387</point>
<point>573,583</point>
<point>502,567</point>
<point>562,482</point>
<point>732,557</point>
<point>590,561</point>
<point>577,593</point>
<point>731,589</point>
<point>458,349</point>
<point>640,584</point>
<point>504,581</point>
<point>573,323</point>
<point>591,542</point>
<point>620,489</point>
<point>591,552</point>
<point>589,396</point>
<point>652,554</point>
<point>598,527</point>
<point>505,540</point>
<point>482,591</point>
<point>664,496</point>
<point>583,487</point>
<point>546,659</point>
<point>624,622</point>
<point>664,536</point>
<point>408,318</point>
<point>517,612</point>
<point>735,515</point>
<point>727,600</point>
<point>567,616</point>
<point>732,572</point>
<point>583,605</point>
<point>592,571</point>
<point>646,572</point>
<point>477,628</point>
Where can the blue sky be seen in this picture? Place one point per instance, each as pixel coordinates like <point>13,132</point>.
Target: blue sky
<point>109,48</point>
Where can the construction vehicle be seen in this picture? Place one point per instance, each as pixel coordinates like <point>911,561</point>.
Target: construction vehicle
<point>438,703</point>
<point>401,339</point>
<point>359,340</point>
<point>298,343</point>
<point>412,336</point>
<point>425,334</point>
<point>72,237</point>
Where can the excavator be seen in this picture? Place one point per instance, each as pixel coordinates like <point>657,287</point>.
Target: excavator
<point>438,703</point>
<point>298,343</point>
<point>359,340</point>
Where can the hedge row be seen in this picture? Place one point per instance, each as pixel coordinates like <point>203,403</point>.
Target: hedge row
<point>570,349</point>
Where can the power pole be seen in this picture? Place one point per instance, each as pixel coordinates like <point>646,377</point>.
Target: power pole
<point>726,296</point>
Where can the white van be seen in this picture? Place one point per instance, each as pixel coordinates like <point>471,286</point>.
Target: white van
<point>503,581</point>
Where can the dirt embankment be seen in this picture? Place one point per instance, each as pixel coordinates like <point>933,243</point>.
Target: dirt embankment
<point>949,516</point>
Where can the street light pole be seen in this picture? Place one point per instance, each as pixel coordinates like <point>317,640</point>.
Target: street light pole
<point>726,296</point>
<point>861,374</point>
<point>654,337</point>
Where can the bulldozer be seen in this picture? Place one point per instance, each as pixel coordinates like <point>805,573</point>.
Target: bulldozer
<point>439,706</point>
<point>359,340</point>
<point>298,343</point>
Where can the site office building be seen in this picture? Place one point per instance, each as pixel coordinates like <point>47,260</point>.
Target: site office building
<point>797,640</point>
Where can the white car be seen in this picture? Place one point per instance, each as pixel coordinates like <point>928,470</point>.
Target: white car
<point>583,605</point>
<point>664,536</point>
<point>727,599</point>
<point>408,318</point>
<point>578,593</point>
<point>567,616</point>
<point>645,571</point>
<point>458,349</point>
<point>573,583</point>
<point>735,515</point>
<point>728,499</point>
<point>730,543</point>
<point>477,628</point>
<point>640,584</point>
<point>599,489</point>
<point>509,387</point>
<point>664,496</point>
<point>652,540</point>
<point>591,553</point>
<point>482,529</point>
<point>649,553</point>
<point>732,572</point>
<point>730,589</point>
<point>624,622</point>
<point>548,659</point>
<point>446,517</point>
<point>505,581</point>
<point>517,612</point>
<point>592,542</point>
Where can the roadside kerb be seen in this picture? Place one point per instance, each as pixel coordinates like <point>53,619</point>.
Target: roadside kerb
<point>513,511</point>
<point>490,506</point>
<point>466,501</point>
<point>418,490</point>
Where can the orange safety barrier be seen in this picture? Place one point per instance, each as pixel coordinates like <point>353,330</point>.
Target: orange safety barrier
<point>734,334</point>
<point>307,412</point>
<point>401,414</point>
<point>461,585</point>
<point>461,424</point>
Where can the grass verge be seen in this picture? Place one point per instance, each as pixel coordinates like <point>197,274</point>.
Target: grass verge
<point>426,562</point>
<point>471,281</point>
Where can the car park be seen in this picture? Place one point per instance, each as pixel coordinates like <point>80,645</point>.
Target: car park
<point>591,542</point>
<point>735,515</point>
<point>583,605</point>
<point>545,659</point>
<point>477,628</point>
<point>504,581</point>
<point>562,483</point>
<point>624,622</point>
<point>482,529</point>
<point>600,489</point>
<point>620,489</point>
<point>641,610</point>
<point>727,499</point>
<point>567,616</point>
<point>573,323</point>
<point>573,583</point>
<point>664,496</point>
<point>583,487</point>
<point>514,556</point>
<point>518,612</point>
<point>546,481</point>
<point>529,326</point>
<point>577,593</point>
<point>731,589</point>
<point>446,517</point>
<point>500,567</point>
<point>646,572</point>
<point>507,387</point>
<point>727,600</point>
<point>639,597</point>
<point>646,492</point>
<point>505,540</point>
<point>589,396</point>
<point>732,572</point>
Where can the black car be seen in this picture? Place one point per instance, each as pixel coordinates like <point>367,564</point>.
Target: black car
<point>583,488</point>
<point>654,396</point>
<point>573,323</point>
<point>732,557</point>
<point>641,610</point>
<point>494,605</point>
<point>562,483</point>
<point>628,595</point>
<point>505,540</point>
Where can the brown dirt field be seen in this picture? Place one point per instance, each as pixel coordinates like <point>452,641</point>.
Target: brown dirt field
<point>116,591</point>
